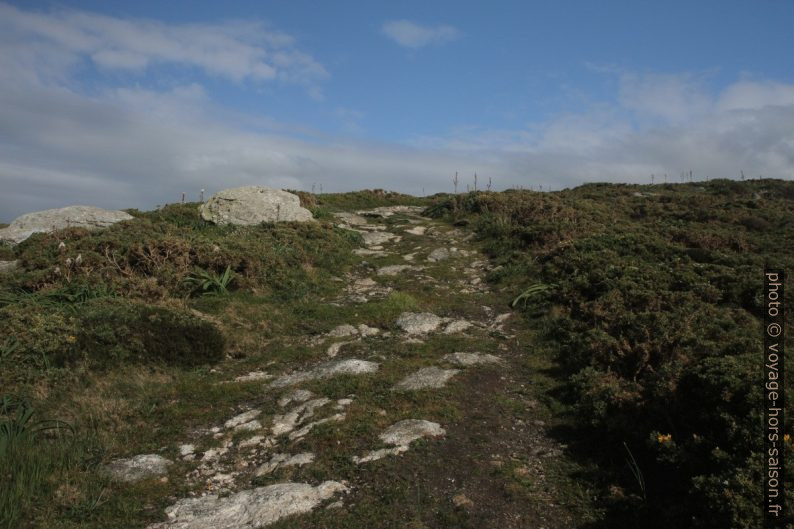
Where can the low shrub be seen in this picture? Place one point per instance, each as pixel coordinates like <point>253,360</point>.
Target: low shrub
<point>655,318</point>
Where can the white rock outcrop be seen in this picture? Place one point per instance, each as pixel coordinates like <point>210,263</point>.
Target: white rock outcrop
<point>51,220</point>
<point>138,467</point>
<point>251,205</point>
<point>248,509</point>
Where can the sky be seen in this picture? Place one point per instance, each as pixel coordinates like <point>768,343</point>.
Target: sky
<point>130,104</point>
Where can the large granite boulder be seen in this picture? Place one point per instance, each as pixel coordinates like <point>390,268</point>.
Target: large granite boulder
<point>57,219</point>
<point>253,205</point>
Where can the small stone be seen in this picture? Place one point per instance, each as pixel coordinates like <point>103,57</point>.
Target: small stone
<point>426,378</point>
<point>470,359</point>
<point>327,370</point>
<point>284,460</point>
<point>334,349</point>
<point>418,322</point>
<point>393,270</point>
<point>186,450</point>
<point>405,432</point>
<point>138,467</point>
<point>342,331</point>
<point>253,376</point>
<point>439,254</point>
<point>242,418</point>
<point>248,426</point>
<point>457,326</point>
<point>296,395</point>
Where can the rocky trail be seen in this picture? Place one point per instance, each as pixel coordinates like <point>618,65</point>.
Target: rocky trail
<point>430,421</point>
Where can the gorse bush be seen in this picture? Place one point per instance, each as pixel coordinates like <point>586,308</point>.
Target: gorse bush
<point>151,256</point>
<point>656,320</point>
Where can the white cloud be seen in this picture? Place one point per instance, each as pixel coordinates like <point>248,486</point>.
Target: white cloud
<point>412,35</point>
<point>235,50</point>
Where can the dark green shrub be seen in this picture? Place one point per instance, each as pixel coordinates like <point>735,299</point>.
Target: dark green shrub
<point>114,331</point>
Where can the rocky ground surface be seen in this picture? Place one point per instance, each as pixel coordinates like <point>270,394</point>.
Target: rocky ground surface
<point>431,421</point>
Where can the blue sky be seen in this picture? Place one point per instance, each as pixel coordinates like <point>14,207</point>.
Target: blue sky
<point>123,104</point>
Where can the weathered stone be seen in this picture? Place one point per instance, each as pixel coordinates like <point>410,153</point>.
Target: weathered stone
<point>51,220</point>
<point>242,418</point>
<point>418,322</point>
<point>393,270</point>
<point>409,430</point>
<point>253,376</point>
<point>285,460</point>
<point>366,252</point>
<point>470,359</point>
<point>375,238</point>
<point>248,509</point>
<point>400,435</point>
<point>334,348</point>
<point>289,421</point>
<point>139,467</point>
<point>297,434</point>
<point>296,395</point>
<point>457,326</point>
<point>342,331</point>
<point>416,230</point>
<point>327,370</point>
<point>426,378</point>
<point>439,254</point>
<point>351,219</point>
<point>388,211</point>
<point>253,205</point>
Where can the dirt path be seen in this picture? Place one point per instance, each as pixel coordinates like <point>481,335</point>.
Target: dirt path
<point>431,419</point>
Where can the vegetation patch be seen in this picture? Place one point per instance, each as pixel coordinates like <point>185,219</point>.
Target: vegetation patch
<point>650,298</point>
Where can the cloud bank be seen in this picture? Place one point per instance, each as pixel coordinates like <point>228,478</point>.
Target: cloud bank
<point>138,146</point>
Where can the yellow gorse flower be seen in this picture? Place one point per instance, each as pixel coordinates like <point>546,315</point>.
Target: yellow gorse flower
<point>71,338</point>
<point>664,438</point>
<point>787,437</point>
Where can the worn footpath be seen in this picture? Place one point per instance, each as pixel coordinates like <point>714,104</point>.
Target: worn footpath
<point>428,420</point>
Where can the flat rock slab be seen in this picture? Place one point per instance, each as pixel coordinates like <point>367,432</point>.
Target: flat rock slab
<point>351,219</point>
<point>439,254</point>
<point>376,238</point>
<point>253,376</point>
<point>419,322</point>
<point>296,395</point>
<point>416,230</point>
<point>285,460</point>
<point>242,418</point>
<point>400,435</point>
<point>327,370</point>
<point>470,359</point>
<point>426,378</point>
<point>248,509</point>
<point>388,211</point>
<point>251,205</point>
<point>393,270</point>
<point>407,431</point>
<point>365,252</point>
<point>139,467</point>
<point>51,220</point>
